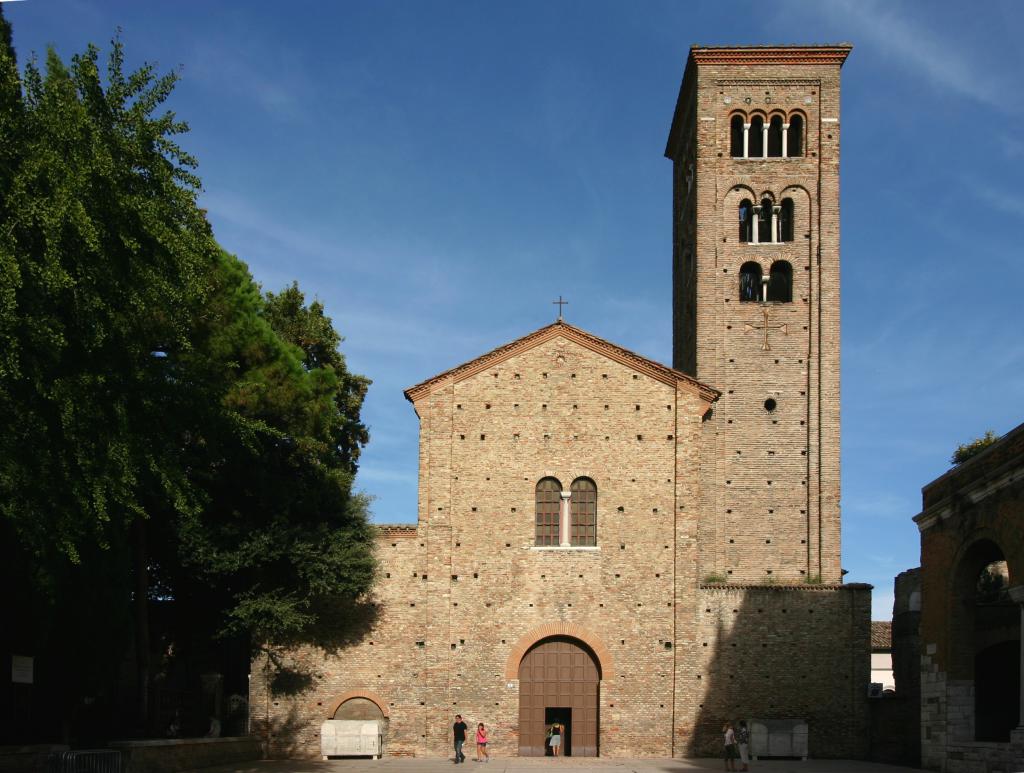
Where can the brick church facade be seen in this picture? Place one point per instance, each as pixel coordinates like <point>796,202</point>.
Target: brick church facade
<point>636,550</point>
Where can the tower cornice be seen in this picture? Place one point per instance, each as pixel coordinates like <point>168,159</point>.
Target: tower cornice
<point>752,55</point>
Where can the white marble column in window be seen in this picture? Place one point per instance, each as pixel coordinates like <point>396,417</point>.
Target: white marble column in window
<point>755,222</point>
<point>775,223</point>
<point>746,140</point>
<point>764,289</point>
<point>785,140</point>
<point>563,520</point>
<point>764,140</point>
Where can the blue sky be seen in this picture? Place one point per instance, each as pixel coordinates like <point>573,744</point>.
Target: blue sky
<point>437,173</point>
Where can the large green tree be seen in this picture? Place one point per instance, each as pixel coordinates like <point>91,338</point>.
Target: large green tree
<point>172,437</point>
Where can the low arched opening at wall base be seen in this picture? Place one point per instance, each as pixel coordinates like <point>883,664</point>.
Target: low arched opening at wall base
<point>559,673</point>
<point>358,704</point>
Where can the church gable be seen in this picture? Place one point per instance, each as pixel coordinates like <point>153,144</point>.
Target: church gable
<point>571,338</point>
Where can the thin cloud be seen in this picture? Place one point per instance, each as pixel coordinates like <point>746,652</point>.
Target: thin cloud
<point>1001,199</point>
<point>881,505</point>
<point>1012,148</point>
<point>385,475</point>
<point>277,86</point>
<point>945,63</point>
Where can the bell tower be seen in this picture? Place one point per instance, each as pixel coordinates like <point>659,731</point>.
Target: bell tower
<point>754,145</point>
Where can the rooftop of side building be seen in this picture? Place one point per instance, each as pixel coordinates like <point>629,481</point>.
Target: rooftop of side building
<point>999,465</point>
<point>881,634</point>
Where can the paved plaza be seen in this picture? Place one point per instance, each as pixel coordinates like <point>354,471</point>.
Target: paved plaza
<point>536,765</point>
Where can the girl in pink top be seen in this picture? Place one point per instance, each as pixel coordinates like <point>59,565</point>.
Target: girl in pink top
<point>481,743</point>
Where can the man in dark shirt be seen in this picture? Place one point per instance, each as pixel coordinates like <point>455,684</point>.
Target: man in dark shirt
<point>459,731</point>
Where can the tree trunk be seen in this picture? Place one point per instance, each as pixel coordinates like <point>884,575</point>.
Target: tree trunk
<point>141,604</point>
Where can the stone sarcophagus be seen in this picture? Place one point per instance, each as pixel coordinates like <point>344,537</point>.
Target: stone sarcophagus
<point>351,738</point>
<point>778,738</point>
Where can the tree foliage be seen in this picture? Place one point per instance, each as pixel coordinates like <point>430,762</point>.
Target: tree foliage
<point>167,426</point>
<point>969,450</point>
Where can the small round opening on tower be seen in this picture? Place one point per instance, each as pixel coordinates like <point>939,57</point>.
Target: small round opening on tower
<point>770,405</point>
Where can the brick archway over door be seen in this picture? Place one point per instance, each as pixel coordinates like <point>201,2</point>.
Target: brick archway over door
<point>604,657</point>
<point>559,680</point>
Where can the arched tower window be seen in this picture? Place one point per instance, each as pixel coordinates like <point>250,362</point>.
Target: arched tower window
<point>736,136</point>
<point>756,140</point>
<point>795,136</point>
<point>775,137</point>
<point>786,221</point>
<point>764,221</point>
<point>583,513</point>
<point>746,220</point>
<point>780,282</point>
<point>750,281</point>
<point>548,500</point>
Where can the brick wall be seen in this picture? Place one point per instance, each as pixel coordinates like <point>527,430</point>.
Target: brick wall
<point>797,652</point>
<point>777,469</point>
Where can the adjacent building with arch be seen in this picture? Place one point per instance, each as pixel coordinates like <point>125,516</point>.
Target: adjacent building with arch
<point>638,551</point>
<point>972,612</point>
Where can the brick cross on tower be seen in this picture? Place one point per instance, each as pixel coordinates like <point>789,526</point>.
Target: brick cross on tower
<point>765,347</point>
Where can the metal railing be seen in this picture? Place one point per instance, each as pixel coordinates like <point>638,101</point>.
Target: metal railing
<point>85,761</point>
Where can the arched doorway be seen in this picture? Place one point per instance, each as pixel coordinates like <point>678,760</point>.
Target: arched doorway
<point>559,680</point>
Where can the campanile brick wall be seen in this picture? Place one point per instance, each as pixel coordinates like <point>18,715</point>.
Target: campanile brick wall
<point>675,601</point>
<point>777,471</point>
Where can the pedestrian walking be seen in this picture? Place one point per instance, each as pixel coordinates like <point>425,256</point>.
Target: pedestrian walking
<point>743,741</point>
<point>459,736</point>
<point>555,735</point>
<point>730,746</point>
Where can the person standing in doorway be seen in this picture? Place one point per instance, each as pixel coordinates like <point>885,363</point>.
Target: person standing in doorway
<point>481,744</point>
<point>730,746</point>
<point>556,738</point>
<point>459,736</point>
<point>743,740</point>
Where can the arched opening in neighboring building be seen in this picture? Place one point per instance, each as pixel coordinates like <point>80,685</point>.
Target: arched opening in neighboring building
<point>547,510</point>
<point>986,640</point>
<point>795,136</point>
<point>746,213</point>
<point>764,221</point>
<point>780,282</point>
<point>750,281</point>
<point>583,513</point>
<point>736,136</point>
<point>559,681</point>
<point>786,221</point>
<point>755,140</point>
<point>775,137</point>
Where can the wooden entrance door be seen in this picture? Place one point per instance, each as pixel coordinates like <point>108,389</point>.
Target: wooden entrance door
<point>559,673</point>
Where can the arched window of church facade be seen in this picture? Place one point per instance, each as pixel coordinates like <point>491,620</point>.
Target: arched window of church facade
<point>548,511</point>
<point>766,215</point>
<point>780,282</point>
<point>583,513</point>
<point>756,138</point>
<point>746,216</point>
<point>775,137</point>
<point>750,282</point>
<point>794,134</point>
<point>736,144</point>
<point>786,220</point>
